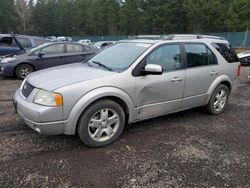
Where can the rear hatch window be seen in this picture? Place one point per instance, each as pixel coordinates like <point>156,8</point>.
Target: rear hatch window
<point>226,51</point>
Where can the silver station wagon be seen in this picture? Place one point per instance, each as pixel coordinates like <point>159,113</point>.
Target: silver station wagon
<point>130,81</point>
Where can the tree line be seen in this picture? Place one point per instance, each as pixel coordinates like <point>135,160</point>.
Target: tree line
<point>122,17</point>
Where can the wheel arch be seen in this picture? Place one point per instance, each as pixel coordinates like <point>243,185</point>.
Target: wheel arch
<point>22,63</point>
<point>115,94</point>
<point>223,79</point>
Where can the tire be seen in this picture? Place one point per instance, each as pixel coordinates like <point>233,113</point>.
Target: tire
<point>221,96</point>
<point>23,70</point>
<point>101,123</point>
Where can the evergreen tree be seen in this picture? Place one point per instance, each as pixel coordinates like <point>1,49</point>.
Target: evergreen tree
<point>8,17</point>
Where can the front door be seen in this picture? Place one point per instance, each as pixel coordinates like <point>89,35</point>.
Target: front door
<point>161,94</point>
<point>52,55</point>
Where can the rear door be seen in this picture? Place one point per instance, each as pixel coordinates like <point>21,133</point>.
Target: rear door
<point>76,53</point>
<point>201,70</point>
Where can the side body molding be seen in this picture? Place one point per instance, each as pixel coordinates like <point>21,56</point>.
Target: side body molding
<point>92,96</point>
<point>217,82</point>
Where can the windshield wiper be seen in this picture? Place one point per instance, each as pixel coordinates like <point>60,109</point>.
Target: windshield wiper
<point>102,65</point>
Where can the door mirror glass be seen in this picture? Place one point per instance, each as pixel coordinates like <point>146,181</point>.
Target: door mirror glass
<point>153,69</point>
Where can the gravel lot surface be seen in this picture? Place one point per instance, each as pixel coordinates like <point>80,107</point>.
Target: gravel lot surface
<point>189,148</point>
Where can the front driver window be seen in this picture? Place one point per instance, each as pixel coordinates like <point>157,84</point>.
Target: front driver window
<point>53,49</point>
<point>169,57</point>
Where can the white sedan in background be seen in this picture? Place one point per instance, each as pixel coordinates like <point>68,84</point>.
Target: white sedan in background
<point>85,42</point>
<point>244,58</point>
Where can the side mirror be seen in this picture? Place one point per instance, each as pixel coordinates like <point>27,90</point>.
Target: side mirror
<point>153,69</point>
<point>41,54</point>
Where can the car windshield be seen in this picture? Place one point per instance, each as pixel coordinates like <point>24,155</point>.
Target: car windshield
<point>120,56</point>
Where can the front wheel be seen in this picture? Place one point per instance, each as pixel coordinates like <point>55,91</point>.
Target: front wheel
<point>101,124</point>
<point>23,70</point>
<point>218,100</point>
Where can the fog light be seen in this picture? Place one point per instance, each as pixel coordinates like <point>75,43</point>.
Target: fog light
<point>37,129</point>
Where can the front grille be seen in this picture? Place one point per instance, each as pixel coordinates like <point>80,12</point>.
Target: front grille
<point>27,89</point>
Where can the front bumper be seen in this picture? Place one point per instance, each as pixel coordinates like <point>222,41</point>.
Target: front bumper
<point>35,115</point>
<point>1,71</point>
<point>6,70</point>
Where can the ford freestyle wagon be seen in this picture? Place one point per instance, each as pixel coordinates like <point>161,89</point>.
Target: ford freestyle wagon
<point>130,81</point>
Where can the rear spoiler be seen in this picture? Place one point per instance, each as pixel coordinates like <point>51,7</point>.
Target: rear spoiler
<point>17,42</point>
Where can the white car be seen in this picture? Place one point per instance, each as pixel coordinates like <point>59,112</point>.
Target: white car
<point>244,58</point>
<point>64,38</point>
<point>85,41</point>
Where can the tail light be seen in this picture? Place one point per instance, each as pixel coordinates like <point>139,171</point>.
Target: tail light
<point>238,70</point>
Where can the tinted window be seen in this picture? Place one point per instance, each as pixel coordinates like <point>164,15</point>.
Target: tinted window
<point>169,57</point>
<point>24,42</point>
<point>226,51</point>
<point>53,49</point>
<point>74,48</point>
<point>199,55</point>
<point>40,41</point>
<point>6,41</point>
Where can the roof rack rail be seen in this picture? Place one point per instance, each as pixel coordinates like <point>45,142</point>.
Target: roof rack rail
<point>149,37</point>
<point>191,36</point>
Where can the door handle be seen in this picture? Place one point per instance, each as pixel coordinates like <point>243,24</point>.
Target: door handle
<point>176,79</point>
<point>214,72</point>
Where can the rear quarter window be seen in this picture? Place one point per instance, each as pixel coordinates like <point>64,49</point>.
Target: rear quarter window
<point>226,51</point>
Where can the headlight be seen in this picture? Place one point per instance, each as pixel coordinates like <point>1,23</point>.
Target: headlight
<point>48,98</point>
<point>8,59</point>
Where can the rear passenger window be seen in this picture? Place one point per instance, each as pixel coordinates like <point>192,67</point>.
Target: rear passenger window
<point>226,51</point>
<point>74,48</point>
<point>199,55</point>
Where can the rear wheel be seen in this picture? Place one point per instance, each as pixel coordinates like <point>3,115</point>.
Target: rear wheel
<point>101,124</point>
<point>23,70</point>
<point>218,100</point>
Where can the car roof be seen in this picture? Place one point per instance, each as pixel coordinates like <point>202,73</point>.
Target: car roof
<point>141,41</point>
<point>179,38</point>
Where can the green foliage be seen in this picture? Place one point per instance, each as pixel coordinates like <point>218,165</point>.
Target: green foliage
<point>123,17</point>
<point>7,16</point>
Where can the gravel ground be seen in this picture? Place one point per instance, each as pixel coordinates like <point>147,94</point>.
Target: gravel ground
<point>189,148</point>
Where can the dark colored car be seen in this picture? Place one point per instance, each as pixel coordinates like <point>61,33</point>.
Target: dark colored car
<point>44,56</point>
<point>103,44</point>
<point>244,58</point>
<point>15,44</point>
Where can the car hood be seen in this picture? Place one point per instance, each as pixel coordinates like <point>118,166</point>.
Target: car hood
<point>60,76</point>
